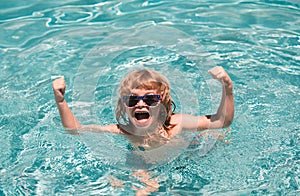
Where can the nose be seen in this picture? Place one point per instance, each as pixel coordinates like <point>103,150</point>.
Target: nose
<point>141,103</point>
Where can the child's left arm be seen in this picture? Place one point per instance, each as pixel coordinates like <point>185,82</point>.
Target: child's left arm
<point>224,116</point>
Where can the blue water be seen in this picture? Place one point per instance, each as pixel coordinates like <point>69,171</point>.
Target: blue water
<point>93,44</point>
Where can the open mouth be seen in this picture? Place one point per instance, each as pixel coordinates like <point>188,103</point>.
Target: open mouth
<point>142,118</point>
<point>142,115</point>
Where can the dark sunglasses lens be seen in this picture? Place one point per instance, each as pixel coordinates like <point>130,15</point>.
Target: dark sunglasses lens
<point>151,100</point>
<point>132,101</point>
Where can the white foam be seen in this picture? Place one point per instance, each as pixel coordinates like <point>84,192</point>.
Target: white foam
<point>56,77</point>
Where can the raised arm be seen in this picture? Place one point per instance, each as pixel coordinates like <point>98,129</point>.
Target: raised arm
<point>68,119</point>
<point>225,113</point>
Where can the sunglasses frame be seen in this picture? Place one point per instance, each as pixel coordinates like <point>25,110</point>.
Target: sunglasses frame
<point>127,97</point>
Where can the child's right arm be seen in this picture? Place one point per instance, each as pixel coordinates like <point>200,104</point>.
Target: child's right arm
<point>69,121</point>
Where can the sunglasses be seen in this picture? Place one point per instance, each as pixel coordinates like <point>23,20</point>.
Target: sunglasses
<point>132,100</point>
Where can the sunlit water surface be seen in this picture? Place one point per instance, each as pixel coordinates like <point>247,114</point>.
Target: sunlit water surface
<point>93,44</point>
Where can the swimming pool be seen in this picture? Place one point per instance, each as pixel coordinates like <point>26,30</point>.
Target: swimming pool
<point>257,42</point>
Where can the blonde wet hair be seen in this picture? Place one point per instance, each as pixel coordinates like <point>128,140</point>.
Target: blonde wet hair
<point>149,80</point>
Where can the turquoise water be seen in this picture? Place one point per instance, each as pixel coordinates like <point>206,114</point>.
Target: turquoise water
<point>93,44</point>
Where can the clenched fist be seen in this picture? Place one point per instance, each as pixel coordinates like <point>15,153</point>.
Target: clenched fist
<point>59,88</point>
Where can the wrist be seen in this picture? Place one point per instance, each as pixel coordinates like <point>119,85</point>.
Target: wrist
<point>228,88</point>
<point>60,102</point>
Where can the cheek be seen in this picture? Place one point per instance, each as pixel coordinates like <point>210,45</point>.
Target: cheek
<point>161,112</point>
<point>156,110</point>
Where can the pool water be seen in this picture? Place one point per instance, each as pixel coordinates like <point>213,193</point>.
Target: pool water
<point>93,44</point>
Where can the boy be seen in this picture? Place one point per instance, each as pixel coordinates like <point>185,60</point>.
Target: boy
<point>144,109</point>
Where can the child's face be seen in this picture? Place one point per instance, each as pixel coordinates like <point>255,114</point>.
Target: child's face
<point>144,109</point>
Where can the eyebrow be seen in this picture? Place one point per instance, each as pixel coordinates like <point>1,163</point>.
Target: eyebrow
<point>147,92</point>
<point>150,93</point>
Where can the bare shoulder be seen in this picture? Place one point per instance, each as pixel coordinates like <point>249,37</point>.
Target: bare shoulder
<point>176,124</point>
<point>189,122</point>
<point>180,118</point>
<point>112,128</point>
<point>176,119</point>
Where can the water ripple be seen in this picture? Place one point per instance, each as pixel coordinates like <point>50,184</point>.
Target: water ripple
<point>258,43</point>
